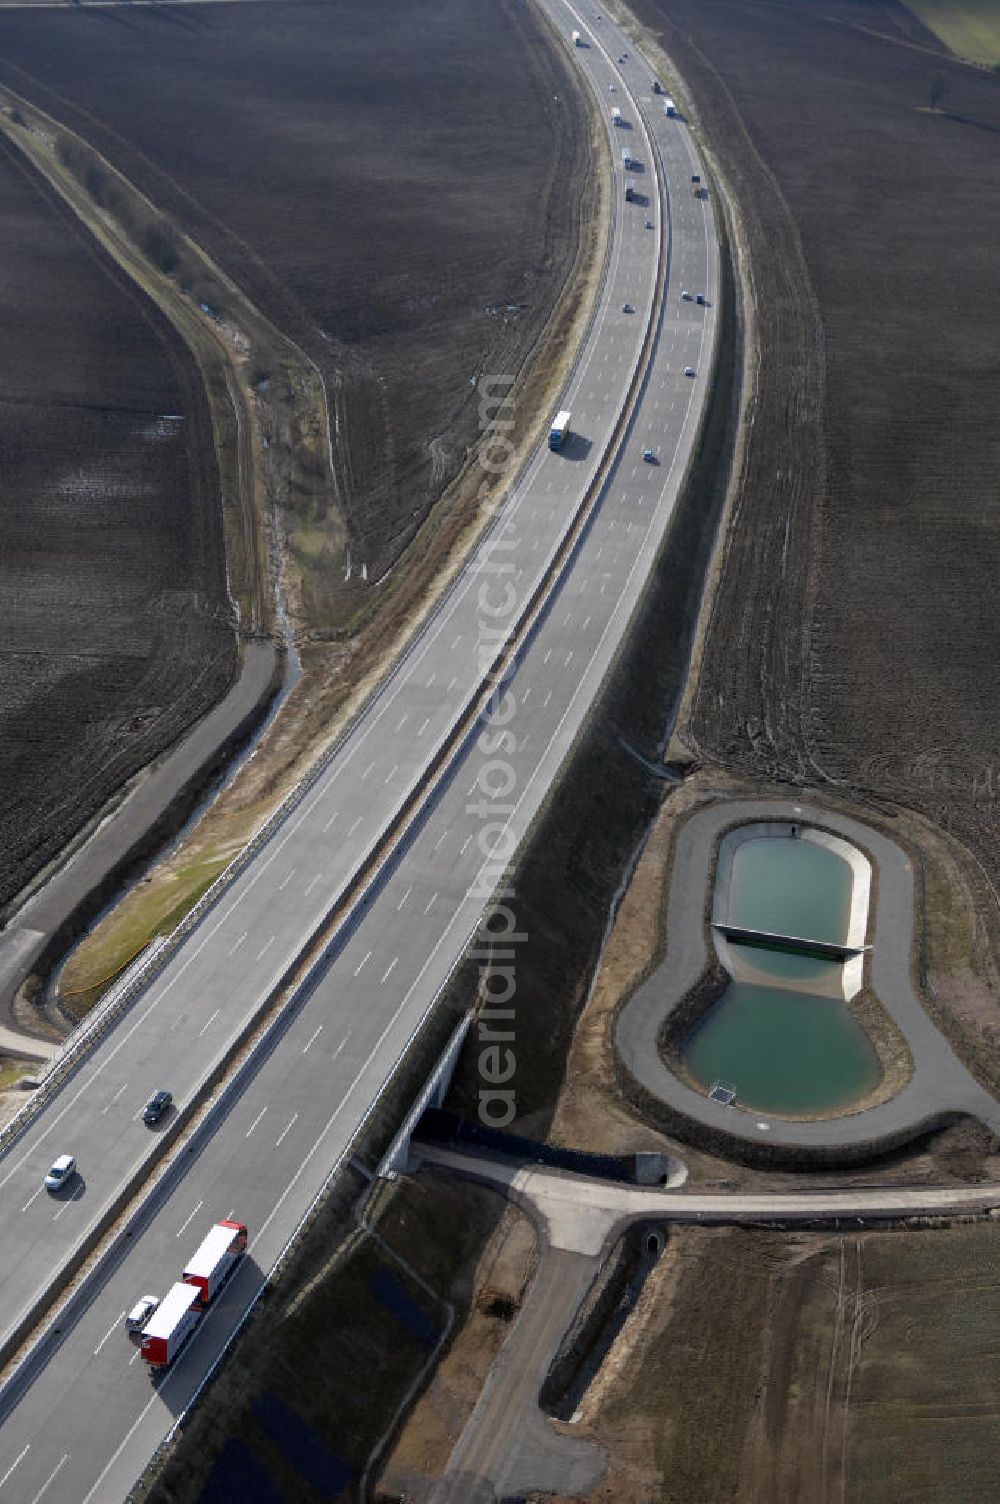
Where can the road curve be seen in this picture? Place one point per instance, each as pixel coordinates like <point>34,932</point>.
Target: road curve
<point>84,1425</point>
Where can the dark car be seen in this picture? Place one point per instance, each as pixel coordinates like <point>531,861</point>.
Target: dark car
<point>156,1106</point>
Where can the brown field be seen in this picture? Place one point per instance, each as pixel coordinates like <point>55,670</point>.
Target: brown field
<point>399,195</point>
<point>854,637</point>
<point>115,628</point>
<point>800,1366</point>
<point>337,1346</point>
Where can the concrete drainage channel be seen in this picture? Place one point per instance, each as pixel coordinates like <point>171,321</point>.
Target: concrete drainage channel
<point>611,1299</point>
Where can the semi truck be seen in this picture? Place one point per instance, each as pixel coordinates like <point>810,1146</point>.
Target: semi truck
<point>577,39</point>
<point>216,1258</point>
<point>669,108</point>
<point>559,429</point>
<point>629,190</point>
<point>170,1325</point>
<point>616,116</point>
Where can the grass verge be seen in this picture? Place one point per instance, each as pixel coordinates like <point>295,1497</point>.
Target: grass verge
<point>151,910</point>
<point>334,1350</point>
<point>969,28</point>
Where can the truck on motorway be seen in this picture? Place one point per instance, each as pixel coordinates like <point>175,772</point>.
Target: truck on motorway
<point>559,429</point>
<point>616,116</point>
<point>216,1258</point>
<point>577,39</point>
<point>669,108</point>
<point>170,1325</point>
<point>629,190</point>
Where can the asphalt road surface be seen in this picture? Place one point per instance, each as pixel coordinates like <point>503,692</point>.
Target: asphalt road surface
<point>117,834</point>
<point>90,1419</point>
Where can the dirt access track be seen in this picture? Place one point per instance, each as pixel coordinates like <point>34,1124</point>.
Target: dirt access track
<point>374,188</point>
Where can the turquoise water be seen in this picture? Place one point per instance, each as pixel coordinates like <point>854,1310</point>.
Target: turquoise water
<point>783,1046</point>
<point>783,1051</point>
<point>790,887</point>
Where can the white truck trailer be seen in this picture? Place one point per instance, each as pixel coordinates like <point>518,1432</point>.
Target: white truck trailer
<point>559,429</point>
<point>170,1325</point>
<point>216,1258</point>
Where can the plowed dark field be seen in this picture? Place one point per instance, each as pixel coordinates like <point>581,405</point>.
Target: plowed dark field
<point>395,185</point>
<point>115,631</point>
<point>856,636</point>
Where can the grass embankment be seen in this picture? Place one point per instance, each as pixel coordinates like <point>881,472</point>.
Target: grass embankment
<point>337,676</point>
<point>334,1350</point>
<point>150,910</point>
<point>970,28</point>
<point>11,1071</point>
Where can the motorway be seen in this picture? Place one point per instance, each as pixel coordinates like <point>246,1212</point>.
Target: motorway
<point>86,1424</point>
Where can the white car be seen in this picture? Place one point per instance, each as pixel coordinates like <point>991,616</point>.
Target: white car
<point>141,1312</point>
<point>61,1173</point>
<point>686,296</point>
<point>689,370</point>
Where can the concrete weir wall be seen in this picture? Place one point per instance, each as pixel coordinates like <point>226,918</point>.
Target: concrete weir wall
<point>861,884</point>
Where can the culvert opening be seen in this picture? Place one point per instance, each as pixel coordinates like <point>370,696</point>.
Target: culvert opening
<point>603,1312</point>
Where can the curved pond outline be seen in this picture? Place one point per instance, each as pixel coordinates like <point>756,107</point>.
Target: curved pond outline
<point>781,1034</point>
<point>940,1088</point>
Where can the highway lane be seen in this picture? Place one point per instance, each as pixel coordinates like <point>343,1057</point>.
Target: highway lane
<point>282,1136</point>
<point>234,959</point>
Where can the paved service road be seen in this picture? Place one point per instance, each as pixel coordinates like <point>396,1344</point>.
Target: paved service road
<point>150,794</point>
<point>509,1447</point>
<point>85,1426</point>
<point>580,1213</point>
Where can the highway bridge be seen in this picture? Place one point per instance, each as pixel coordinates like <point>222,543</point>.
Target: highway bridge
<point>400,836</point>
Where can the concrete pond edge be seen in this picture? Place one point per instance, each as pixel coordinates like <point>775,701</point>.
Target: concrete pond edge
<point>940,1089</point>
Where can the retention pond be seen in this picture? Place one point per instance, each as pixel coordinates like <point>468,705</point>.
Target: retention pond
<point>782,1036</point>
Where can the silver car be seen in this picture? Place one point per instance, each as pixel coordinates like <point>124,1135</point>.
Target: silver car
<point>61,1173</point>
<point>141,1312</point>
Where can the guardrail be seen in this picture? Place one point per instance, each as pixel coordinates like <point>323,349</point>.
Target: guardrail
<point>363,881</point>
<point>444,755</point>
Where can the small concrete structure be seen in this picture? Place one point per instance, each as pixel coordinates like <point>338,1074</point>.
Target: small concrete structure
<point>851,952</point>
<point>799,943</point>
